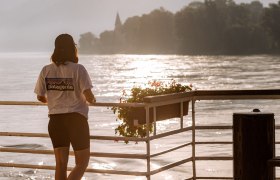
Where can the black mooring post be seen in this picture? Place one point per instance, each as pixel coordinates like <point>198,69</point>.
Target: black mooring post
<point>253,145</point>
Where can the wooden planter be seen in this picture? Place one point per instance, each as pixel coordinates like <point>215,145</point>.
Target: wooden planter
<point>162,113</point>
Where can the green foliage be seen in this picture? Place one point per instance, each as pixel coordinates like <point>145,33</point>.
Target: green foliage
<point>137,94</point>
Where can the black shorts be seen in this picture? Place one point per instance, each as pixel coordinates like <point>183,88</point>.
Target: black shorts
<point>69,128</point>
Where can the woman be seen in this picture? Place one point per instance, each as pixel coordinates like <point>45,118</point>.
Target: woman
<point>66,86</point>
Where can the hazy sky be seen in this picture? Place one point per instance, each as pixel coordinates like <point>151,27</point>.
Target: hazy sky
<point>32,25</point>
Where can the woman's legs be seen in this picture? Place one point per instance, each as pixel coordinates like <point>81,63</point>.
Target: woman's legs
<point>61,144</point>
<point>61,158</point>
<point>79,138</point>
<point>81,159</point>
<point>66,128</point>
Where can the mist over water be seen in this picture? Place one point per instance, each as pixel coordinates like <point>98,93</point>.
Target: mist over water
<point>113,73</point>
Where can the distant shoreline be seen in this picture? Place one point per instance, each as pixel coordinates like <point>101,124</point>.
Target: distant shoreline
<point>48,53</point>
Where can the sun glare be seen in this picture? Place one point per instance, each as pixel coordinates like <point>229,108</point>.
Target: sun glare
<point>147,67</point>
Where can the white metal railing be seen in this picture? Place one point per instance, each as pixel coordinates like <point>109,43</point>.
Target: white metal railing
<point>148,173</point>
<point>150,102</point>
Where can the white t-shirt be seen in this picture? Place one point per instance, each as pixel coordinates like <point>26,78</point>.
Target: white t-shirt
<point>64,86</point>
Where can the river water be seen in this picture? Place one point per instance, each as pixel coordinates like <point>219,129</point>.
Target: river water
<point>111,74</point>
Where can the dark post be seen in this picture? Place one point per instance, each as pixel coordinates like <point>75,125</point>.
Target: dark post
<point>253,145</point>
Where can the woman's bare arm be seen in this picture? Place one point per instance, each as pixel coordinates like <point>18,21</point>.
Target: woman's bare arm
<point>89,96</point>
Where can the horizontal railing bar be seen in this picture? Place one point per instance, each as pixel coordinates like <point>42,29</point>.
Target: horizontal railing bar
<point>119,155</point>
<point>212,127</point>
<point>104,171</point>
<point>22,103</point>
<point>218,94</point>
<point>171,101</point>
<point>114,138</point>
<point>118,104</point>
<point>167,97</point>
<point>23,134</point>
<point>237,97</point>
<point>221,142</point>
<point>93,154</point>
<point>169,166</point>
<point>214,178</point>
<point>217,158</point>
<point>170,150</point>
<point>31,166</point>
<point>222,127</point>
<point>170,133</point>
<point>197,95</point>
<point>248,92</point>
<point>31,103</point>
<point>31,151</point>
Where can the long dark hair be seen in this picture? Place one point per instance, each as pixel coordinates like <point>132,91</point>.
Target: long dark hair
<point>65,50</point>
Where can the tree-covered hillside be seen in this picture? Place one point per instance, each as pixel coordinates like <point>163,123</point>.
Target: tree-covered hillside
<point>212,27</point>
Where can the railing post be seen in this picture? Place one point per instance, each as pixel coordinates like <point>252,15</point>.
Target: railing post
<point>193,139</point>
<point>148,143</point>
<point>155,120</point>
<point>182,114</point>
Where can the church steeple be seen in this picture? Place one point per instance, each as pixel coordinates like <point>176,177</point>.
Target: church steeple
<point>118,23</point>
<point>119,38</point>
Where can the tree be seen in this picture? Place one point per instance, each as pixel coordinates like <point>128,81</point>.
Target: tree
<point>244,33</point>
<point>271,21</point>
<point>256,11</point>
<point>188,29</point>
<point>157,32</point>
<point>88,43</point>
<point>107,42</point>
<point>150,33</point>
<point>212,27</point>
<point>196,4</point>
<point>131,28</point>
<point>237,39</point>
<point>200,29</point>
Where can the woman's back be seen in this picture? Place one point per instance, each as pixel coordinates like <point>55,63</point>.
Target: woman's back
<point>64,85</point>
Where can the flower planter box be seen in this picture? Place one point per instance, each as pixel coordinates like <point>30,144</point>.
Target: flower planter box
<point>162,113</point>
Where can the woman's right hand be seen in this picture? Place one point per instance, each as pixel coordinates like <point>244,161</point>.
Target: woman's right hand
<point>89,96</point>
